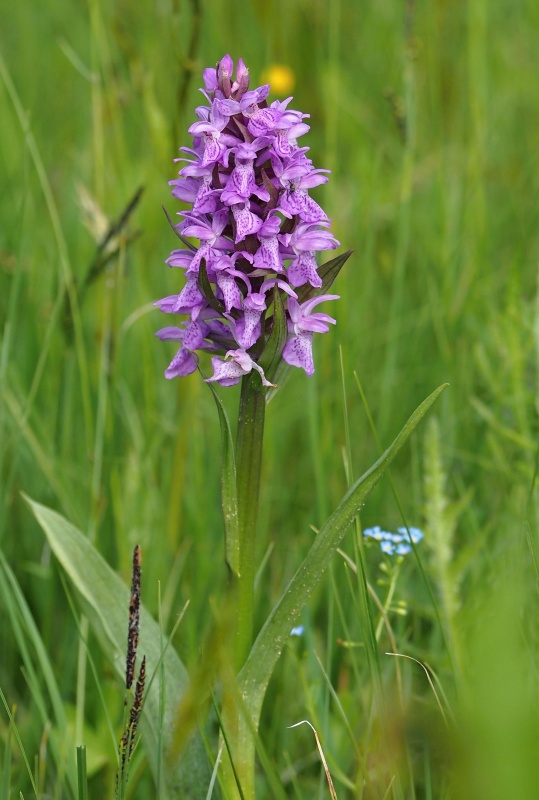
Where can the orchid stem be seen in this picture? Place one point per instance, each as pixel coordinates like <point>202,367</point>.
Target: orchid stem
<point>240,737</point>
<point>248,465</point>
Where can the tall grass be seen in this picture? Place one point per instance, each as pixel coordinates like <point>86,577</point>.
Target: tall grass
<point>427,115</point>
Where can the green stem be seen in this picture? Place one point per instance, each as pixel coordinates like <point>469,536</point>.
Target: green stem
<point>248,464</point>
<point>240,736</point>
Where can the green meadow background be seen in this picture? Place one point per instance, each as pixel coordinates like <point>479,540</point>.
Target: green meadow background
<point>427,114</point>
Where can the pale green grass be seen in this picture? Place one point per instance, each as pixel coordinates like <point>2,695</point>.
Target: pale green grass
<point>442,287</point>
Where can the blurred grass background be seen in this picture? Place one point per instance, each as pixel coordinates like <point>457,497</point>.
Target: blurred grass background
<point>427,115</point>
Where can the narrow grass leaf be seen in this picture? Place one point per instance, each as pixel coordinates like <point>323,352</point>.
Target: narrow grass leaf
<point>332,791</point>
<point>37,669</point>
<point>15,730</point>
<point>6,771</point>
<point>427,672</point>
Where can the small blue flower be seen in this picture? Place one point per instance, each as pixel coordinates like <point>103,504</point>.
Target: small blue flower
<point>297,631</point>
<point>394,543</point>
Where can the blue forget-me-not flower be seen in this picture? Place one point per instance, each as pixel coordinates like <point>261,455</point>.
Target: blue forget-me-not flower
<point>394,543</point>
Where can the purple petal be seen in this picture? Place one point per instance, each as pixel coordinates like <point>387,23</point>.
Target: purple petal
<point>210,79</point>
<point>298,352</point>
<point>183,363</point>
<point>194,334</point>
<point>303,270</point>
<point>310,304</point>
<point>248,328</point>
<point>268,255</point>
<point>167,304</point>
<point>171,332</point>
<point>228,107</point>
<point>226,373</point>
<point>246,222</point>
<point>298,203</point>
<point>189,297</point>
<point>180,258</point>
<point>185,189</point>
<point>241,84</point>
<point>231,294</point>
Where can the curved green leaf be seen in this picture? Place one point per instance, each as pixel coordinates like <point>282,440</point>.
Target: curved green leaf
<point>271,355</point>
<point>256,673</point>
<point>105,601</point>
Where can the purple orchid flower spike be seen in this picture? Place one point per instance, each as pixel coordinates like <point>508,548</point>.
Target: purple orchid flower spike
<point>251,235</point>
<point>247,181</point>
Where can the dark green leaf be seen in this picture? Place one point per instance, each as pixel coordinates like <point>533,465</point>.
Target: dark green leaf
<point>271,355</point>
<point>205,289</point>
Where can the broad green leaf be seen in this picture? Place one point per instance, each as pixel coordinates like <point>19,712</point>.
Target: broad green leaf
<point>105,601</point>
<point>229,494</point>
<point>255,675</point>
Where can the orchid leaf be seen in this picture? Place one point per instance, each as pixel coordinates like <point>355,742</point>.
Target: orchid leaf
<point>256,673</point>
<point>271,355</point>
<point>105,601</point>
<point>229,494</point>
<point>206,291</point>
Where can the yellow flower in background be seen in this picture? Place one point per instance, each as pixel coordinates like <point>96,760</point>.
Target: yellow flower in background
<point>280,77</point>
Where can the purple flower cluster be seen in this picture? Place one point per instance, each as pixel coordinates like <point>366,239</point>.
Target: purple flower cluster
<point>259,231</point>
